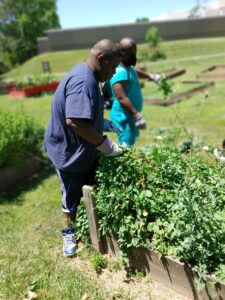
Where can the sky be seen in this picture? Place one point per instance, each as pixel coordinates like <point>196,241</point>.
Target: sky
<point>85,13</point>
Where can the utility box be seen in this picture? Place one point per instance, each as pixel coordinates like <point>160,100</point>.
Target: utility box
<point>46,67</point>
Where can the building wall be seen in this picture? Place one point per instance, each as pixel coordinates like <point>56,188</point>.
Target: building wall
<point>69,39</point>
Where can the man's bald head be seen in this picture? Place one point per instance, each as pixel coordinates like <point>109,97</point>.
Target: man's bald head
<point>106,47</point>
<point>103,59</point>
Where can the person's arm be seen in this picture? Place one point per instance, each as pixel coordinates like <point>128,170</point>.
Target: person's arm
<point>84,129</point>
<point>120,92</point>
<point>142,74</point>
<point>149,76</point>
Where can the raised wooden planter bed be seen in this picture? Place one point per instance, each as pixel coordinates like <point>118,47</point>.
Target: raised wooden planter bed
<point>166,270</point>
<point>33,90</point>
<point>169,74</point>
<point>13,175</point>
<point>181,96</point>
<point>210,73</point>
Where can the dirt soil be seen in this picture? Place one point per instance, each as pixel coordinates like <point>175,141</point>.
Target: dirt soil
<point>119,285</point>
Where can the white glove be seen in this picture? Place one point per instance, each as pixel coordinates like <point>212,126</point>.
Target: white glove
<point>109,148</point>
<point>218,155</point>
<point>139,121</point>
<point>155,78</point>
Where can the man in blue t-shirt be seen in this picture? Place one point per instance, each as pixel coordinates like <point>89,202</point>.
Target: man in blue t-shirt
<point>74,136</point>
<point>126,92</point>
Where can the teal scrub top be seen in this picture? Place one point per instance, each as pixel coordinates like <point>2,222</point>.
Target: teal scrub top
<point>133,89</point>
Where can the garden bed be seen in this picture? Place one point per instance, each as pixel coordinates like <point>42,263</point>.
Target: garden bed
<point>213,72</point>
<point>11,176</point>
<point>196,87</point>
<point>164,269</point>
<point>33,90</point>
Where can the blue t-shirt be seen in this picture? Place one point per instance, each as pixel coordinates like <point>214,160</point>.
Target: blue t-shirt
<point>77,96</point>
<point>133,89</point>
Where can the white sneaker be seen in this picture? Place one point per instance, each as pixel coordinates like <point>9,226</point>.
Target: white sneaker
<point>218,155</point>
<point>69,242</point>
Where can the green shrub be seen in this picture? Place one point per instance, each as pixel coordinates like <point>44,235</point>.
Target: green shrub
<point>99,262</point>
<point>156,55</point>
<point>165,201</point>
<point>19,137</point>
<point>153,37</point>
<point>35,80</point>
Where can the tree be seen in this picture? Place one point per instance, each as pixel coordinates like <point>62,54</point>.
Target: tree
<point>153,37</point>
<point>21,22</point>
<point>142,20</point>
<point>194,12</point>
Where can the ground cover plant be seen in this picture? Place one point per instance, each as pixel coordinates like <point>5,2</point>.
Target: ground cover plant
<point>35,80</point>
<point>20,138</point>
<point>168,202</point>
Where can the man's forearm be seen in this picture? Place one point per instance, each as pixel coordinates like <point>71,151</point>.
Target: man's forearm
<point>85,130</point>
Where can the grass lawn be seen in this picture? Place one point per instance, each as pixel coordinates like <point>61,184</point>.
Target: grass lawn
<point>30,218</point>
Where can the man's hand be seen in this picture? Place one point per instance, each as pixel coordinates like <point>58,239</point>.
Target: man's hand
<point>155,78</point>
<point>139,121</point>
<point>109,148</point>
<point>109,126</point>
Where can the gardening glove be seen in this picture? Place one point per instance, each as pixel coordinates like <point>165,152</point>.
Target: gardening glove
<point>109,126</point>
<point>155,78</point>
<point>109,148</point>
<point>139,121</point>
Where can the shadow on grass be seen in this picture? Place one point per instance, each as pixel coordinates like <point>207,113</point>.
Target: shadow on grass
<point>14,194</point>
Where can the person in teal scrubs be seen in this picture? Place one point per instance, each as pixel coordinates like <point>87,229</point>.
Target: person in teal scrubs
<point>126,93</point>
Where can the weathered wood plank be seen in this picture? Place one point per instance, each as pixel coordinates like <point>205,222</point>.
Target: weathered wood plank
<point>92,218</point>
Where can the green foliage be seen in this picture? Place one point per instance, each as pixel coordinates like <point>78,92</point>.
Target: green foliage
<point>142,20</point>
<point>81,224</point>
<point>19,31</point>
<point>194,12</point>
<point>35,80</point>
<point>153,37</point>
<point>156,55</point>
<point>156,200</point>
<point>165,86</point>
<point>19,137</point>
<point>99,262</point>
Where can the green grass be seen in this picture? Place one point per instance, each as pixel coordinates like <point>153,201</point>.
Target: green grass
<point>31,246</point>
<point>30,218</point>
<point>61,62</point>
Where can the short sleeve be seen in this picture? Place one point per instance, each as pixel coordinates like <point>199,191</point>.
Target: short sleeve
<point>79,105</point>
<point>120,75</point>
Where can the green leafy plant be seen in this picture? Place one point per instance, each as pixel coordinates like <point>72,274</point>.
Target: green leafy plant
<point>155,200</point>
<point>81,224</point>
<point>99,262</point>
<point>157,54</point>
<point>153,37</point>
<point>166,87</point>
<point>35,80</point>
<point>20,137</point>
